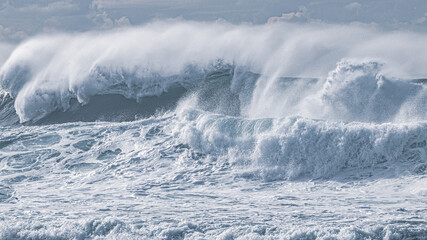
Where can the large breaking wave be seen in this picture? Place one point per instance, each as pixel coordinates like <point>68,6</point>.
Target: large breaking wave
<point>45,73</point>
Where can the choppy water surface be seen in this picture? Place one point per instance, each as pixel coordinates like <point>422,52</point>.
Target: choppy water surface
<point>86,180</point>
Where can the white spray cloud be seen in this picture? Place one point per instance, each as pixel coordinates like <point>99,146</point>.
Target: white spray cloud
<point>43,73</point>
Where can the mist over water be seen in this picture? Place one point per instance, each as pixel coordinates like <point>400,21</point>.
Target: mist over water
<point>199,130</point>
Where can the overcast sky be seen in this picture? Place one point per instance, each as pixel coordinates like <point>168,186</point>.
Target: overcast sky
<point>20,19</point>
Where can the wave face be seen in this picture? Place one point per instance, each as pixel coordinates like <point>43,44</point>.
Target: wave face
<point>187,130</point>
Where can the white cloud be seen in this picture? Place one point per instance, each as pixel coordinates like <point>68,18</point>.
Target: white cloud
<point>49,8</point>
<point>422,19</point>
<point>300,14</point>
<point>123,21</point>
<point>103,21</point>
<point>8,34</point>
<point>353,6</point>
<point>51,24</point>
<point>59,5</point>
<point>122,3</point>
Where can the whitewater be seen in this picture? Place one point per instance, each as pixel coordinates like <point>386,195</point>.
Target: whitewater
<point>209,130</point>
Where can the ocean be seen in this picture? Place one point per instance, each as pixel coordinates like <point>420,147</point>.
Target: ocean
<point>196,130</point>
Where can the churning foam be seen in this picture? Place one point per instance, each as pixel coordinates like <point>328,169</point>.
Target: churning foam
<point>293,147</point>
